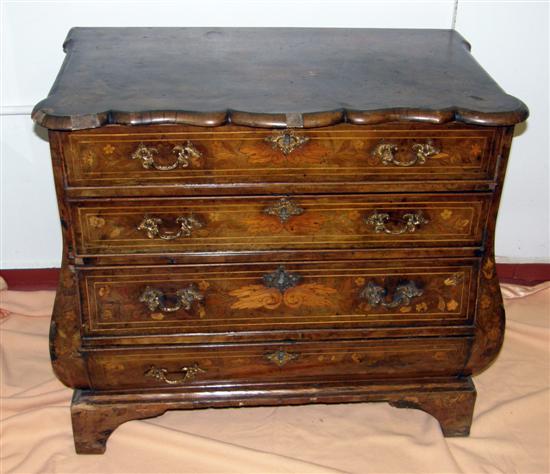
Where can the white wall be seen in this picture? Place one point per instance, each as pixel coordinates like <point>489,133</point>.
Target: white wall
<point>509,38</point>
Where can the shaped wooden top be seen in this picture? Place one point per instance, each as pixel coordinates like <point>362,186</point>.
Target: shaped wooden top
<point>271,77</point>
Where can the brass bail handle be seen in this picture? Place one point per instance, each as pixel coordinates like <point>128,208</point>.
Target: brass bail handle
<point>184,153</point>
<point>406,224</point>
<point>155,299</point>
<point>404,293</point>
<point>185,374</point>
<point>386,152</point>
<point>151,226</point>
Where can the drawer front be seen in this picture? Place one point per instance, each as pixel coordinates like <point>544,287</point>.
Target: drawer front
<point>323,361</point>
<point>149,226</point>
<point>200,301</point>
<point>122,156</point>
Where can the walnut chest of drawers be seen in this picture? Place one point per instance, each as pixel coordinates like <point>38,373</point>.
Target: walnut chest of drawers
<point>282,216</point>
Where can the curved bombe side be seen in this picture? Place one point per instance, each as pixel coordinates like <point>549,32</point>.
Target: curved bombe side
<point>67,361</point>
<point>490,317</point>
<point>490,320</point>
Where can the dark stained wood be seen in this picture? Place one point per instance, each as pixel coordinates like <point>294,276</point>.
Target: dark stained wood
<point>271,78</point>
<point>235,299</point>
<point>238,155</point>
<point>130,368</point>
<point>453,409</point>
<point>109,368</point>
<point>65,337</point>
<point>105,227</point>
<point>490,315</point>
<point>259,256</point>
<point>95,415</point>
<point>273,263</point>
<point>282,188</point>
<point>93,424</point>
<point>351,333</point>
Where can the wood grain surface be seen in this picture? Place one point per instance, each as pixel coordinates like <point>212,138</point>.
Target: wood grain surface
<point>237,303</point>
<point>95,415</point>
<point>104,227</point>
<point>299,362</point>
<point>276,77</point>
<point>230,154</point>
<point>222,228</point>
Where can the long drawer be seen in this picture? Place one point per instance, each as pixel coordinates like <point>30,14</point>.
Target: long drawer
<point>187,225</point>
<point>289,362</point>
<point>202,301</point>
<point>169,155</point>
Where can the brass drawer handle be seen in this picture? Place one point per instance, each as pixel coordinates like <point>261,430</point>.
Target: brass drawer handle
<point>284,209</point>
<point>404,293</point>
<point>280,357</point>
<point>151,225</point>
<point>421,152</point>
<point>183,154</point>
<point>408,223</point>
<point>155,299</point>
<point>286,141</point>
<point>183,375</point>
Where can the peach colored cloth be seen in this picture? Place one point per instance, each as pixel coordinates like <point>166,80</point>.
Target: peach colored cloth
<point>510,432</point>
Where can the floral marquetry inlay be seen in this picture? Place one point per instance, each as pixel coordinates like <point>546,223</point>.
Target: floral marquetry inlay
<point>88,158</point>
<point>421,307</point>
<point>312,234</point>
<point>309,295</point>
<point>108,149</point>
<point>454,279</point>
<point>282,287</point>
<point>298,223</point>
<point>452,305</point>
<point>96,222</point>
<point>488,269</point>
<point>446,214</point>
<point>475,150</point>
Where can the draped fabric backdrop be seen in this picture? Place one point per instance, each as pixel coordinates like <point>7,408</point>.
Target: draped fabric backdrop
<point>510,430</point>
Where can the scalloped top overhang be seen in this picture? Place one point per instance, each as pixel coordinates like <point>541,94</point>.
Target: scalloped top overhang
<point>271,77</point>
